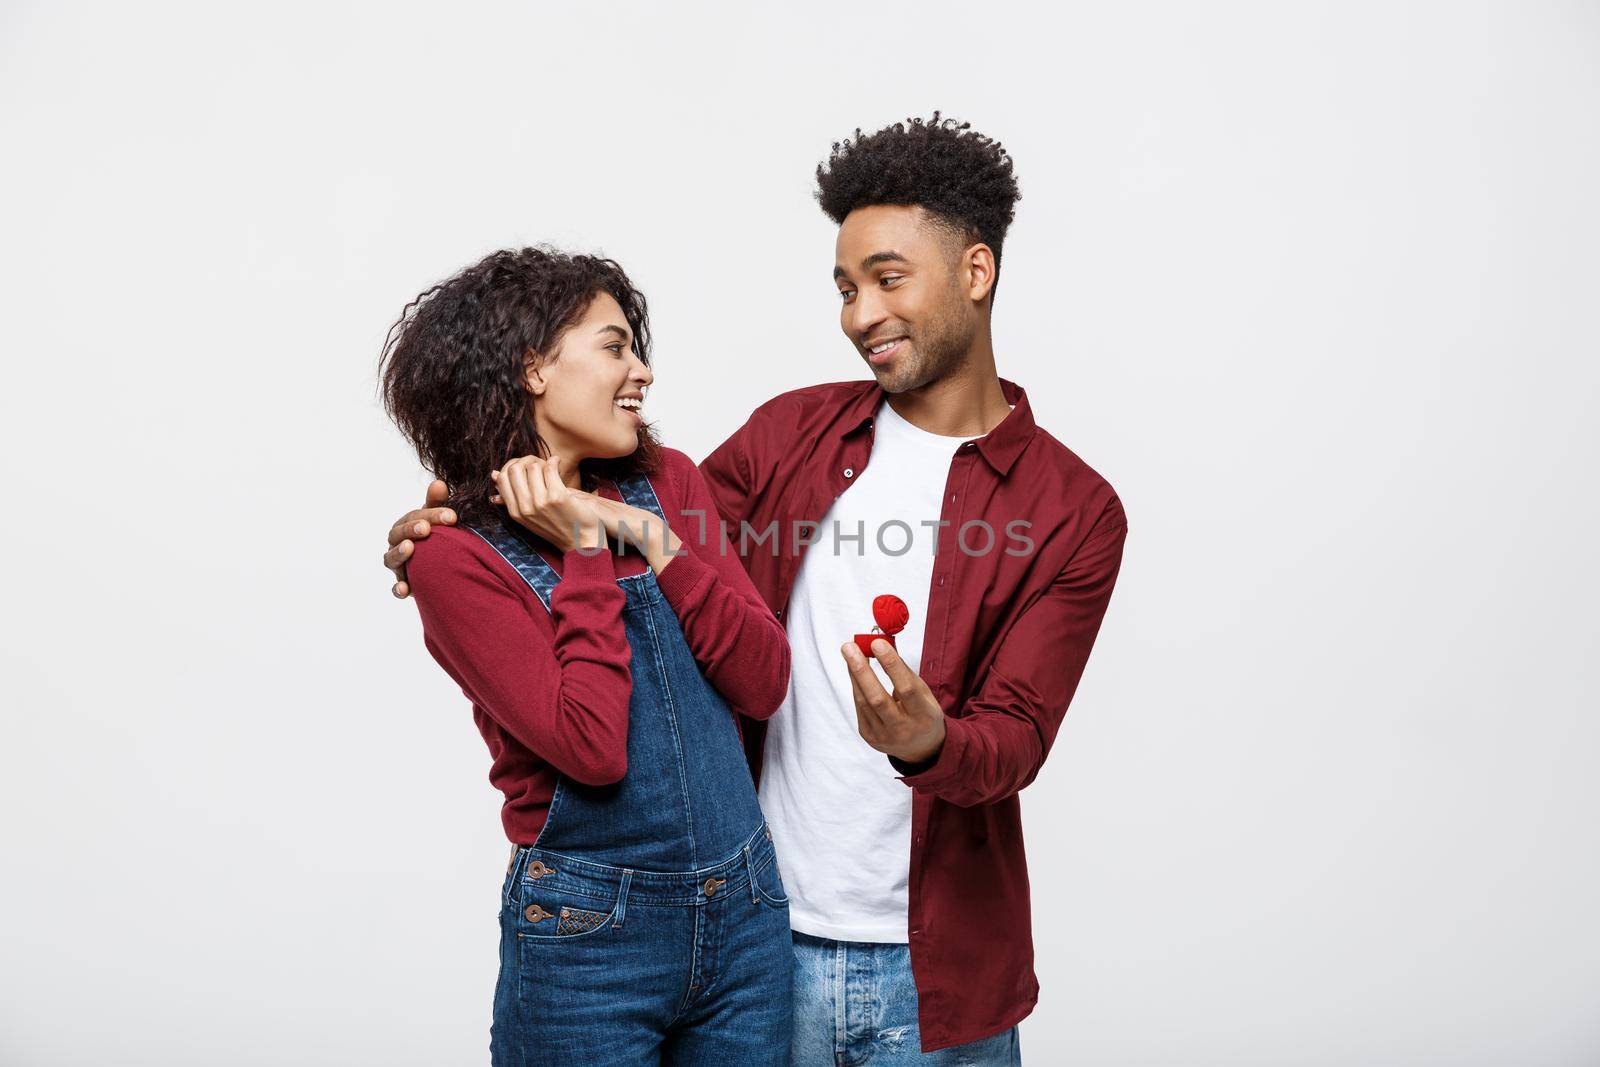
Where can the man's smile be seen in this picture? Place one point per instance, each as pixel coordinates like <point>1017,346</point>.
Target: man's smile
<point>882,352</point>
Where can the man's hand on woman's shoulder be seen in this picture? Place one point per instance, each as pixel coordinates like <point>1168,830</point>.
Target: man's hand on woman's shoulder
<point>414,526</point>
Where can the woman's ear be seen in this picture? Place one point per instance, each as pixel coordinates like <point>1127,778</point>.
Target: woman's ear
<point>531,375</point>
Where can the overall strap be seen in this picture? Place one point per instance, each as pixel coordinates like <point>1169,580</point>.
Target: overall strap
<point>637,491</point>
<point>508,539</point>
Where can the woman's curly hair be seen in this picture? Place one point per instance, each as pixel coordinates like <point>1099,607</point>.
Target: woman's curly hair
<point>452,372</point>
<point>943,166</point>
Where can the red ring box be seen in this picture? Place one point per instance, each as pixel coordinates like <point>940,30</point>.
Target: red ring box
<point>864,642</point>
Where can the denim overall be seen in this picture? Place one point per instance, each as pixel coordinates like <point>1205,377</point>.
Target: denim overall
<point>648,923</point>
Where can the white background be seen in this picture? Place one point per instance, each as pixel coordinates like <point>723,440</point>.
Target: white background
<point>1313,286</point>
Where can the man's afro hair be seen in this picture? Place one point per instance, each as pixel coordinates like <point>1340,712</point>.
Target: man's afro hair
<point>940,165</point>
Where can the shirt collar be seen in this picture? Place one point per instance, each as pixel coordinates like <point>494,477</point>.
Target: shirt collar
<point>1000,446</point>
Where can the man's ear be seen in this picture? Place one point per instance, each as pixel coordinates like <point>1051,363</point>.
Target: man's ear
<point>977,263</point>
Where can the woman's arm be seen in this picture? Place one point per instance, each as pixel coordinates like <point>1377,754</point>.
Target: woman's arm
<point>742,649</point>
<point>566,702</point>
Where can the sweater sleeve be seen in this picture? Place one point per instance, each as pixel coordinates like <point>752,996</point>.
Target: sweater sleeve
<point>740,646</point>
<point>566,701</point>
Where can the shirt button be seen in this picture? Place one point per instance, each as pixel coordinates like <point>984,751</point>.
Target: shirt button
<point>849,473</point>
<point>941,579</point>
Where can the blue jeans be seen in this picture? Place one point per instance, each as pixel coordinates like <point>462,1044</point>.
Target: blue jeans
<point>602,965</point>
<point>856,1003</point>
<point>648,923</point>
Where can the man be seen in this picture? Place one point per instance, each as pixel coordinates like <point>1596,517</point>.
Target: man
<point>895,809</point>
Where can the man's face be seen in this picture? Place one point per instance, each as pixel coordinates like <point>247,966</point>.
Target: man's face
<point>900,284</point>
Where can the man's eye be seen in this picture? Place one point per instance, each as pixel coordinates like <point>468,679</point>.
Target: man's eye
<point>886,279</point>
<point>846,294</point>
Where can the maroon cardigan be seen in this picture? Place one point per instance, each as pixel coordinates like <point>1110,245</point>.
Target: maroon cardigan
<point>550,690</point>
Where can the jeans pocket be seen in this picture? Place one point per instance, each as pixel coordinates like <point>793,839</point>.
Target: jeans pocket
<point>769,884</point>
<point>551,914</point>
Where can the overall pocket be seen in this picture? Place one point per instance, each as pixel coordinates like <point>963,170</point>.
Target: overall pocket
<point>549,911</point>
<point>769,883</point>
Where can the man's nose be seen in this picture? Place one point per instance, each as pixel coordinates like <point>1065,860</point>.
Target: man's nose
<point>865,312</point>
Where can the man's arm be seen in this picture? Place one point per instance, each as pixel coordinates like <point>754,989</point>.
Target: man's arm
<point>416,524</point>
<point>727,475</point>
<point>999,745</point>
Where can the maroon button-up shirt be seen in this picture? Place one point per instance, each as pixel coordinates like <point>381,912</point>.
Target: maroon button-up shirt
<point>1007,637</point>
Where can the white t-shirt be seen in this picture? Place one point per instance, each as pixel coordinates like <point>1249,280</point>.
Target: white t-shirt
<point>840,816</point>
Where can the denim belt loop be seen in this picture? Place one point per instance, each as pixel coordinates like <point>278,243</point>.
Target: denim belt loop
<point>622,899</point>
<point>508,892</point>
<point>750,868</point>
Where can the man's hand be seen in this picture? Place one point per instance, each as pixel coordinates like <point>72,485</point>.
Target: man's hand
<point>416,524</point>
<point>907,724</point>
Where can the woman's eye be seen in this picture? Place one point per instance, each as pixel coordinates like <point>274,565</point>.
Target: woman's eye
<point>617,348</point>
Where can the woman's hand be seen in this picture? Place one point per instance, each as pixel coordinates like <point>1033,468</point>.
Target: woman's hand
<point>535,496</point>
<point>640,528</point>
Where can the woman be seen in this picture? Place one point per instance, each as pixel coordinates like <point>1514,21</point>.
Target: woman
<point>642,916</point>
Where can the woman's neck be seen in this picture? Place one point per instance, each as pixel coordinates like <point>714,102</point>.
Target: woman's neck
<point>568,469</point>
<point>569,461</point>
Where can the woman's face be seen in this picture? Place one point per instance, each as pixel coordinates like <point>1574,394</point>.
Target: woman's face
<point>587,398</point>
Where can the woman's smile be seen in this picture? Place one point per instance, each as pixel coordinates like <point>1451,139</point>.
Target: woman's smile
<point>630,405</point>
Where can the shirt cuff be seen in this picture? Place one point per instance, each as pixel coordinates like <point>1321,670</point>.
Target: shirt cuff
<point>598,566</point>
<point>682,576</point>
<point>944,768</point>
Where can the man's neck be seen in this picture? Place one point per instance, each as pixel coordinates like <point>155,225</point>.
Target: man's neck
<point>967,402</point>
